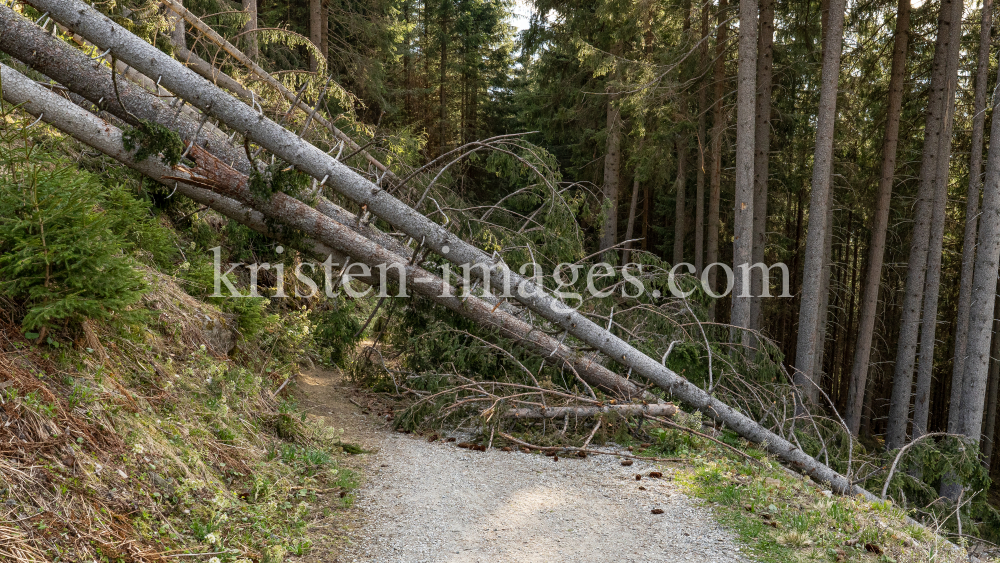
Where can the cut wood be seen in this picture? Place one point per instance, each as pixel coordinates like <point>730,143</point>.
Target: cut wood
<point>104,33</point>
<point>666,409</point>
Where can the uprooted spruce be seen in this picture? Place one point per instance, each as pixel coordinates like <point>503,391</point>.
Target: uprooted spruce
<point>106,35</point>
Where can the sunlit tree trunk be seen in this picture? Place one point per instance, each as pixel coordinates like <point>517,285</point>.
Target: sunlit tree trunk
<point>880,223</point>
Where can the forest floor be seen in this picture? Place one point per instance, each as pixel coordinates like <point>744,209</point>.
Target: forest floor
<point>432,501</point>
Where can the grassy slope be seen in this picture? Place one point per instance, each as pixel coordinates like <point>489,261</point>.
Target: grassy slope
<point>140,442</point>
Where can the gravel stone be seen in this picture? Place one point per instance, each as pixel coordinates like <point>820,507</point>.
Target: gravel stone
<point>434,502</point>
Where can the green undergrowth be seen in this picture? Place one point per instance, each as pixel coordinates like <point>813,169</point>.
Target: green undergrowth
<point>163,447</point>
<point>781,517</point>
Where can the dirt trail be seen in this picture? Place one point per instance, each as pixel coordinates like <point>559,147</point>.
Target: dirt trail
<point>434,502</point>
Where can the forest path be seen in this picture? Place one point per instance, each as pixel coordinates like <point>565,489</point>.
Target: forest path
<point>434,502</point>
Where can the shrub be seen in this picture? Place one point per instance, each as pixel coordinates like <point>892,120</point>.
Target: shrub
<point>59,253</point>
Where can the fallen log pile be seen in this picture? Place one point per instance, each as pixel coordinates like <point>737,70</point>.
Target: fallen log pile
<point>218,178</point>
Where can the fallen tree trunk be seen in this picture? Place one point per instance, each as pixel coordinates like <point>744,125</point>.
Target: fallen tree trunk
<point>325,236</point>
<point>665,409</point>
<point>147,59</point>
<point>82,75</point>
<point>265,76</point>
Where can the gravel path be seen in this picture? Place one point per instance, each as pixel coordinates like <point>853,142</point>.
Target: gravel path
<point>435,502</point>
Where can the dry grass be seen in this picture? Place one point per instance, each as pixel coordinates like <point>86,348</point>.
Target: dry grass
<point>139,443</point>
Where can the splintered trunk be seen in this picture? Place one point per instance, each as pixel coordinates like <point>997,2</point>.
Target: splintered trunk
<point>250,29</point>
<point>680,212</point>
<point>937,140</point>
<point>718,128</point>
<point>315,162</point>
<point>746,96</point>
<point>762,148</point>
<point>971,216</point>
<point>880,224</point>
<point>315,31</point>
<point>699,205</point>
<point>812,282</point>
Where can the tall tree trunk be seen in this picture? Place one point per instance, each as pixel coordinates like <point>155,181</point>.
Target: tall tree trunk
<point>177,34</point>
<point>982,310</point>
<point>936,140</point>
<point>315,30</point>
<point>442,79</point>
<point>680,213</point>
<point>971,215</point>
<point>324,30</point>
<point>746,96</point>
<point>699,206</point>
<point>823,309</point>
<point>251,49</point>
<point>883,199</point>
<point>612,172</point>
<point>812,282</point>
<point>762,149</point>
<point>932,286</point>
<point>631,221</point>
<point>647,215</point>
<point>990,424</point>
<point>718,127</point>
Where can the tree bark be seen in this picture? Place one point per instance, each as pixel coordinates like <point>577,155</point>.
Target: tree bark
<point>718,129</point>
<point>743,236</point>
<point>665,409</point>
<point>250,30</point>
<point>880,224</point>
<point>971,215</point>
<point>680,212</point>
<point>969,419</point>
<point>936,139</point>
<point>209,33</point>
<point>631,221</point>
<point>981,312</point>
<point>285,144</point>
<point>178,34</point>
<point>762,149</point>
<point>812,282</point>
<point>989,426</point>
<point>315,31</point>
<point>331,235</point>
<point>612,171</point>
<point>699,205</point>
